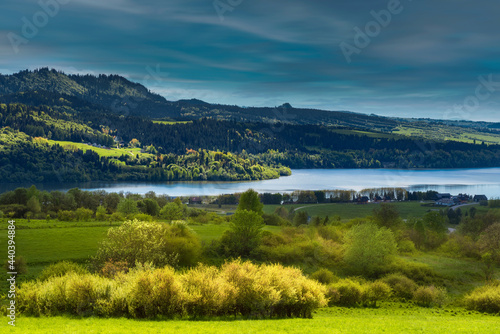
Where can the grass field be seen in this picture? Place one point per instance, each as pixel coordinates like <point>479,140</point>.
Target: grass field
<point>112,152</point>
<point>351,210</point>
<point>42,243</point>
<point>171,122</point>
<point>389,318</point>
<point>449,133</point>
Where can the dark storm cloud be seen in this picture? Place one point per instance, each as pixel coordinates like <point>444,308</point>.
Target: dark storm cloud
<point>425,60</point>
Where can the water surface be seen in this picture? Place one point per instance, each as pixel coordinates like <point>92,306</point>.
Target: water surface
<point>472,181</point>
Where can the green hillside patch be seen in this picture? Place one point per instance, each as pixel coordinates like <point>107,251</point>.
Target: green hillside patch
<point>441,132</point>
<point>57,244</point>
<point>171,122</point>
<point>103,152</point>
<point>351,210</point>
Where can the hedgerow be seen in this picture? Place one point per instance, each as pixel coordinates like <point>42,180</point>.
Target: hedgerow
<point>236,288</point>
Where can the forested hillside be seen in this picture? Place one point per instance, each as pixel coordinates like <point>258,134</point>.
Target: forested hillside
<point>79,128</point>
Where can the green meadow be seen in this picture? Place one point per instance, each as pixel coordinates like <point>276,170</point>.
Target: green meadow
<point>348,211</point>
<point>103,152</point>
<point>388,318</point>
<point>42,243</point>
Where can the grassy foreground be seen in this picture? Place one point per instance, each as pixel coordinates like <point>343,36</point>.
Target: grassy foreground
<point>389,318</point>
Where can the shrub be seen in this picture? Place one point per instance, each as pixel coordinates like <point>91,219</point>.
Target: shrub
<point>402,286</point>
<point>324,276</point>
<point>368,248</point>
<point>159,243</point>
<point>60,269</point>
<point>458,245</point>
<point>406,246</point>
<point>236,288</point>
<point>374,292</point>
<point>172,211</point>
<point>484,299</point>
<point>274,220</point>
<point>419,272</point>
<point>428,296</point>
<point>112,268</point>
<point>101,213</point>
<point>73,293</point>
<point>66,216</point>
<point>296,295</point>
<point>82,214</point>
<point>143,217</point>
<point>116,217</point>
<point>345,292</point>
<point>154,292</point>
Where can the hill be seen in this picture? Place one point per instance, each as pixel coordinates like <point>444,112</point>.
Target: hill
<point>108,128</point>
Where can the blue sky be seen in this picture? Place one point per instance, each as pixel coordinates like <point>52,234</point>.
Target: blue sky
<point>437,59</point>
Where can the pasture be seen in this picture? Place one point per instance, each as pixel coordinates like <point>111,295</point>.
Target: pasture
<point>388,318</point>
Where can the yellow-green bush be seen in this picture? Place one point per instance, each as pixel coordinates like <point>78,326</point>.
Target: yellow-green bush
<point>159,243</point>
<point>60,269</point>
<point>154,292</point>
<point>324,276</point>
<point>406,246</point>
<point>239,288</point>
<point>345,292</point>
<point>428,296</point>
<point>208,293</point>
<point>374,292</point>
<point>73,293</point>
<point>402,286</point>
<point>419,272</point>
<point>484,299</point>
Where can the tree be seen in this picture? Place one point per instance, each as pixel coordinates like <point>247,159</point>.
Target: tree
<point>300,218</point>
<point>489,242</point>
<point>150,207</point>
<point>282,212</point>
<point>244,234</point>
<point>134,143</point>
<point>250,201</point>
<point>149,242</point>
<point>172,211</point>
<point>435,221</point>
<point>386,215</point>
<point>100,213</point>
<point>34,205</point>
<point>127,206</point>
<point>368,248</point>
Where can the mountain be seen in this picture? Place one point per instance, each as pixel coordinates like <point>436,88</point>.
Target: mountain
<point>58,127</point>
<point>118,95</point>
<point>112,92</point>
<point>121,96</point>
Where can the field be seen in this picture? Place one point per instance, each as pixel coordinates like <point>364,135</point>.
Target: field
<point>112,152</point>
<point>436,132</point>
<point>389,318</point>
<point>171,122</point>
<point>43,243</point>
<point>350,210</point>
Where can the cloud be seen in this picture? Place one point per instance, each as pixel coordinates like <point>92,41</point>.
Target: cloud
<point>427,59</point>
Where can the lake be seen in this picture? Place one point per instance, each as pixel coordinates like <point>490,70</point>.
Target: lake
<point>471,181</point>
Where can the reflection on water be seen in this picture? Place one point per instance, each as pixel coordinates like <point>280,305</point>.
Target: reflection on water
<point>472,181</point>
